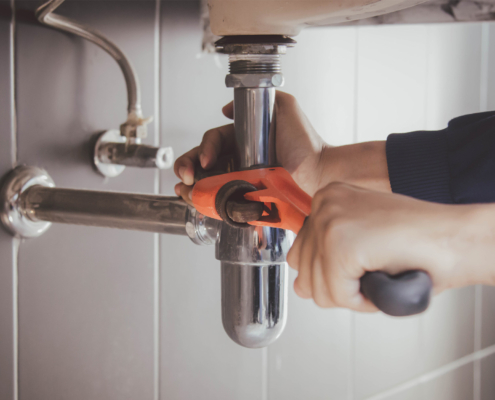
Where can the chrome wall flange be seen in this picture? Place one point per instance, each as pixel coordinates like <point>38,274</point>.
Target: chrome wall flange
<point>12,214</point>
<point>106,169</point>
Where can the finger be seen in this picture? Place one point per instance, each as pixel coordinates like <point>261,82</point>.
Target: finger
<point>228,110</point>
<point>184,166</point>
<point>186,193</point>
<point>300,289</point>
<point>361,304</point>
<point>294,252</point>
<point>177,189</point>
<point>321,294</point>
<point>346,293</point>
<point>303,282</point>
<point>215,142</point>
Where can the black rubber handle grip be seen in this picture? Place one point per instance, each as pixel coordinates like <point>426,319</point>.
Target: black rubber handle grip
<point>400,295</point>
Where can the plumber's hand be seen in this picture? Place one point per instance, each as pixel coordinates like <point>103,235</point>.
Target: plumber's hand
<point>298,147</point>
<point>300,150</point>
<point>353,230</point>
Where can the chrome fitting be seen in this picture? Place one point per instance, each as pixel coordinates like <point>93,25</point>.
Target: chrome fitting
<point>201,230</point>
<point>113,152</point>
<point>254,61</point>
<point>254,80</point>
<point>255,44</point>
<point>13,214</point>
<point>135,127</point>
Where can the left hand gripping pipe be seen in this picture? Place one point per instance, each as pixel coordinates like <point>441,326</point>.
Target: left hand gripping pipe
<point>115,149</point>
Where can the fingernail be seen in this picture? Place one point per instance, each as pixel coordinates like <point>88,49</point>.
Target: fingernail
<point>202,159</point>
<point>181,172</point>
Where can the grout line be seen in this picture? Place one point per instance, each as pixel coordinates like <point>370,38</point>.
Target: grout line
<point>156,236</point>
<point>15,316</point>
<point>264,373</point>
<point>352,351</point>
<point>478,311</point>
<point>351,380</point>
<point>485,51</point>
<point>15,241</point>
<point>426,122</point>
<point>356,89</point>
<point>430,376</point>
<point>478,299</point>
<point>13,105</point>
<point>426,76</point>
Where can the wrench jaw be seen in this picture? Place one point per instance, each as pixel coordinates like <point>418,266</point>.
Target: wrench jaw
<point>270,197</point>
<point>233,208</point>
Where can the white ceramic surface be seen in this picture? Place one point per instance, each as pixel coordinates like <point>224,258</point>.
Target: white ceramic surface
<point>288,17</point>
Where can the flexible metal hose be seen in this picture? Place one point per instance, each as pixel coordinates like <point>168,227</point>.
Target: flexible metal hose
<point>46,16</point>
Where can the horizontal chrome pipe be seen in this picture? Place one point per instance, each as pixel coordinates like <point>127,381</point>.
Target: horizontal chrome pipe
<point>30,202</point>
<point>149,213</point>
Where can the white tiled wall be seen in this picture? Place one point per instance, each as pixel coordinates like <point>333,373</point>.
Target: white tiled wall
<point>114,315</point>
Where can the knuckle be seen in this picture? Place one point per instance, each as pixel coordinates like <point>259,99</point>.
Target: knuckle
<point>319,301</point>
<point>320,200</point>
<point>336,189</point>
<point>337,299</point>
<point>209,136</point>
<point>226,130</point>
<point>322,300</point>
<point>332,229</point>
<point>286,98</point>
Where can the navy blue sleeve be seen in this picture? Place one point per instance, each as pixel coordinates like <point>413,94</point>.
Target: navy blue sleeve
<point>454,166</point>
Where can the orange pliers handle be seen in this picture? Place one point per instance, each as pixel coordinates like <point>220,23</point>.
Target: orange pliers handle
<point>286,205</point>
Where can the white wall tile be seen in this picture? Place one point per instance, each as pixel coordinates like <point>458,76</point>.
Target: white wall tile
<point>387,352</point>
<point>408,347</point>
<point>312,358</point>
<point>391,80</point>
<point>454,70</point>
<point>454,385</point>
<point>447,328</point>
<point>320,72</point>
<point>490,89</point>
<point>487,378</point>
<point>488,316</point>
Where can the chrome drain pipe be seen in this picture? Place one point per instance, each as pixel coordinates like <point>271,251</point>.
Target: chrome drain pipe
<point>253,259</point>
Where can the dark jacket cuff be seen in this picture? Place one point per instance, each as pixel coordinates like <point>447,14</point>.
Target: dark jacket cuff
<point>418,165</point>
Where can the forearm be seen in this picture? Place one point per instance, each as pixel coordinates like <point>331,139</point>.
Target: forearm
<point>360,164</point>
<point>473,244</point>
